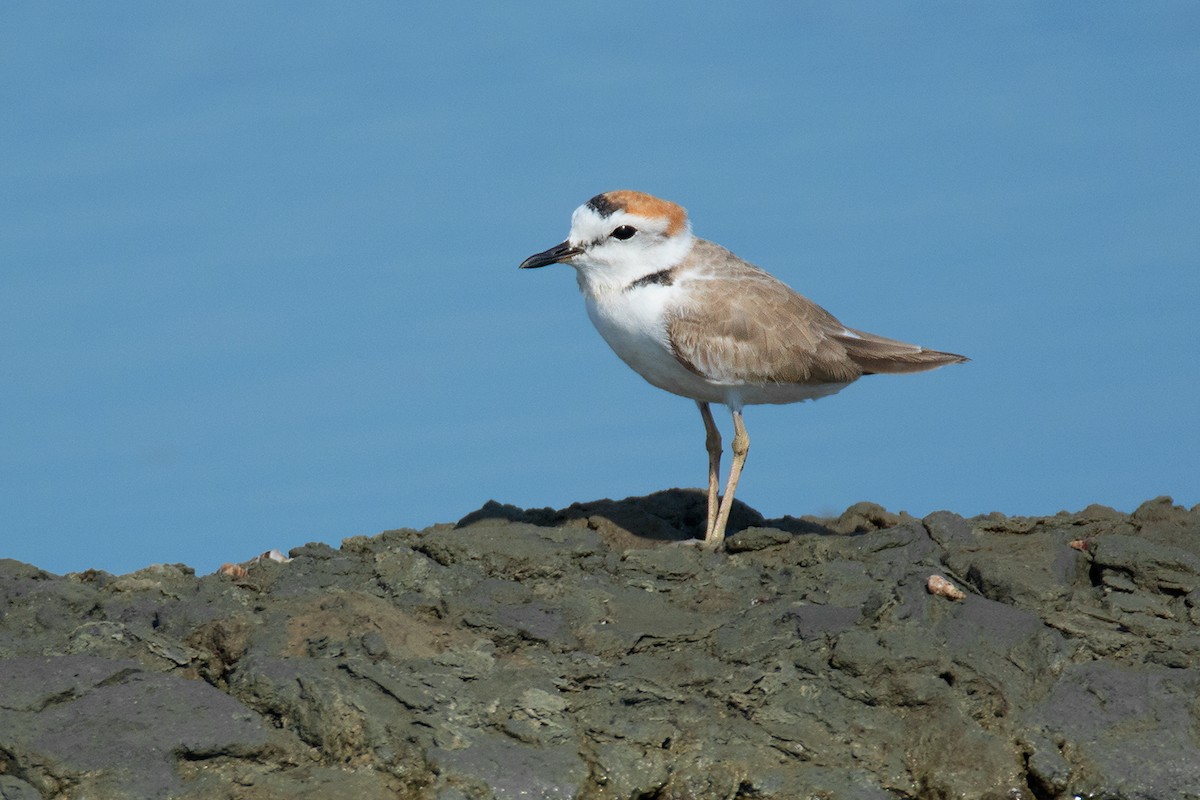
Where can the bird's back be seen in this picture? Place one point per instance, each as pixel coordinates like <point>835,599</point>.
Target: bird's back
<point>743,325</point>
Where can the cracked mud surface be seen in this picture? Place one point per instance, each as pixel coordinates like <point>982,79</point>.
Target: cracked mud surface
<point>580,653</point>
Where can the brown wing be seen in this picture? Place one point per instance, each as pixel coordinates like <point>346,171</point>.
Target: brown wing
<point>751,328</point>
<point>878,354</point>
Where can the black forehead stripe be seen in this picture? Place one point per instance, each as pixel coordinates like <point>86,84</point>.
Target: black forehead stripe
<point>603,206</point>
<point>663,278</point>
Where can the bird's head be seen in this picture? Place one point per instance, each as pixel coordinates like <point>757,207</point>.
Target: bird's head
<point>618,237</point>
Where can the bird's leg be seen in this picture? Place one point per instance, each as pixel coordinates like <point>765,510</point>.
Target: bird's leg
<point>741,446</point>
<point>712,441</point>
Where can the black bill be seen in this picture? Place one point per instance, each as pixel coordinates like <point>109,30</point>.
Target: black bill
<point>556,254</point>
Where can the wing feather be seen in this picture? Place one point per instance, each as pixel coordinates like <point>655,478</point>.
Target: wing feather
<point>750,327</point>
<point>878,354</point>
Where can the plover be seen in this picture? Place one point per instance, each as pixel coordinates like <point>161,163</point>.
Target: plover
<point>694,319</point>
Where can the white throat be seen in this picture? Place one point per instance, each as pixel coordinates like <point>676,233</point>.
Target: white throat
<point>611,272</point>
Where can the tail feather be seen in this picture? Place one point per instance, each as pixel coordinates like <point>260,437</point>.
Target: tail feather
<point>880,355</point>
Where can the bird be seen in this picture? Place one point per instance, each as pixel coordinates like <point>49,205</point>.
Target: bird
<point>693,319</point>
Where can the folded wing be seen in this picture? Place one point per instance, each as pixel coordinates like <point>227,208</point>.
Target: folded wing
<point>758,330</point>
<point>878,354</point>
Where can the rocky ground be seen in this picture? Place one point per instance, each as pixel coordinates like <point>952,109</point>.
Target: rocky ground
<point>582,653</point>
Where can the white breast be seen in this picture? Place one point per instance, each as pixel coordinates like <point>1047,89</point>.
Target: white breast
<point>633,322</point>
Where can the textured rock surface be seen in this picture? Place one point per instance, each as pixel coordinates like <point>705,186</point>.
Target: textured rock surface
<point>581,653</point>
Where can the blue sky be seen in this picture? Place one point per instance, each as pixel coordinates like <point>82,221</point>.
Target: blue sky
<point>258,279</point>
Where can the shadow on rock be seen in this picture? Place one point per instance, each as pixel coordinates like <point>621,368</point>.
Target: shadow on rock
<point>671,515</point>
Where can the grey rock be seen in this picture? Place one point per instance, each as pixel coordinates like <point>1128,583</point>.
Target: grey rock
<point>582,652</point>
<point>1151,565</point>
<point>12,788</point>
<point>508,769</point>
<point>1130,732</point>
<point>96,716</point>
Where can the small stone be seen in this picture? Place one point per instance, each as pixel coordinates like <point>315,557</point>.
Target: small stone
<point>937,585</point>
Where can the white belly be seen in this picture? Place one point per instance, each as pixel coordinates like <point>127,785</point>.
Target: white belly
<point>634,325</point>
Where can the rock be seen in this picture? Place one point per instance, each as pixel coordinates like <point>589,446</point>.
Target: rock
<point>116,728</point>
<point>1147,564</point>
<point>16,789</point>
<point>1130,732</point>
<point>582,652</point>
<point>505,769</point>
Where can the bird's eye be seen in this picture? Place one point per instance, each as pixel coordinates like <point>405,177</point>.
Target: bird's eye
<point>624,232</point>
